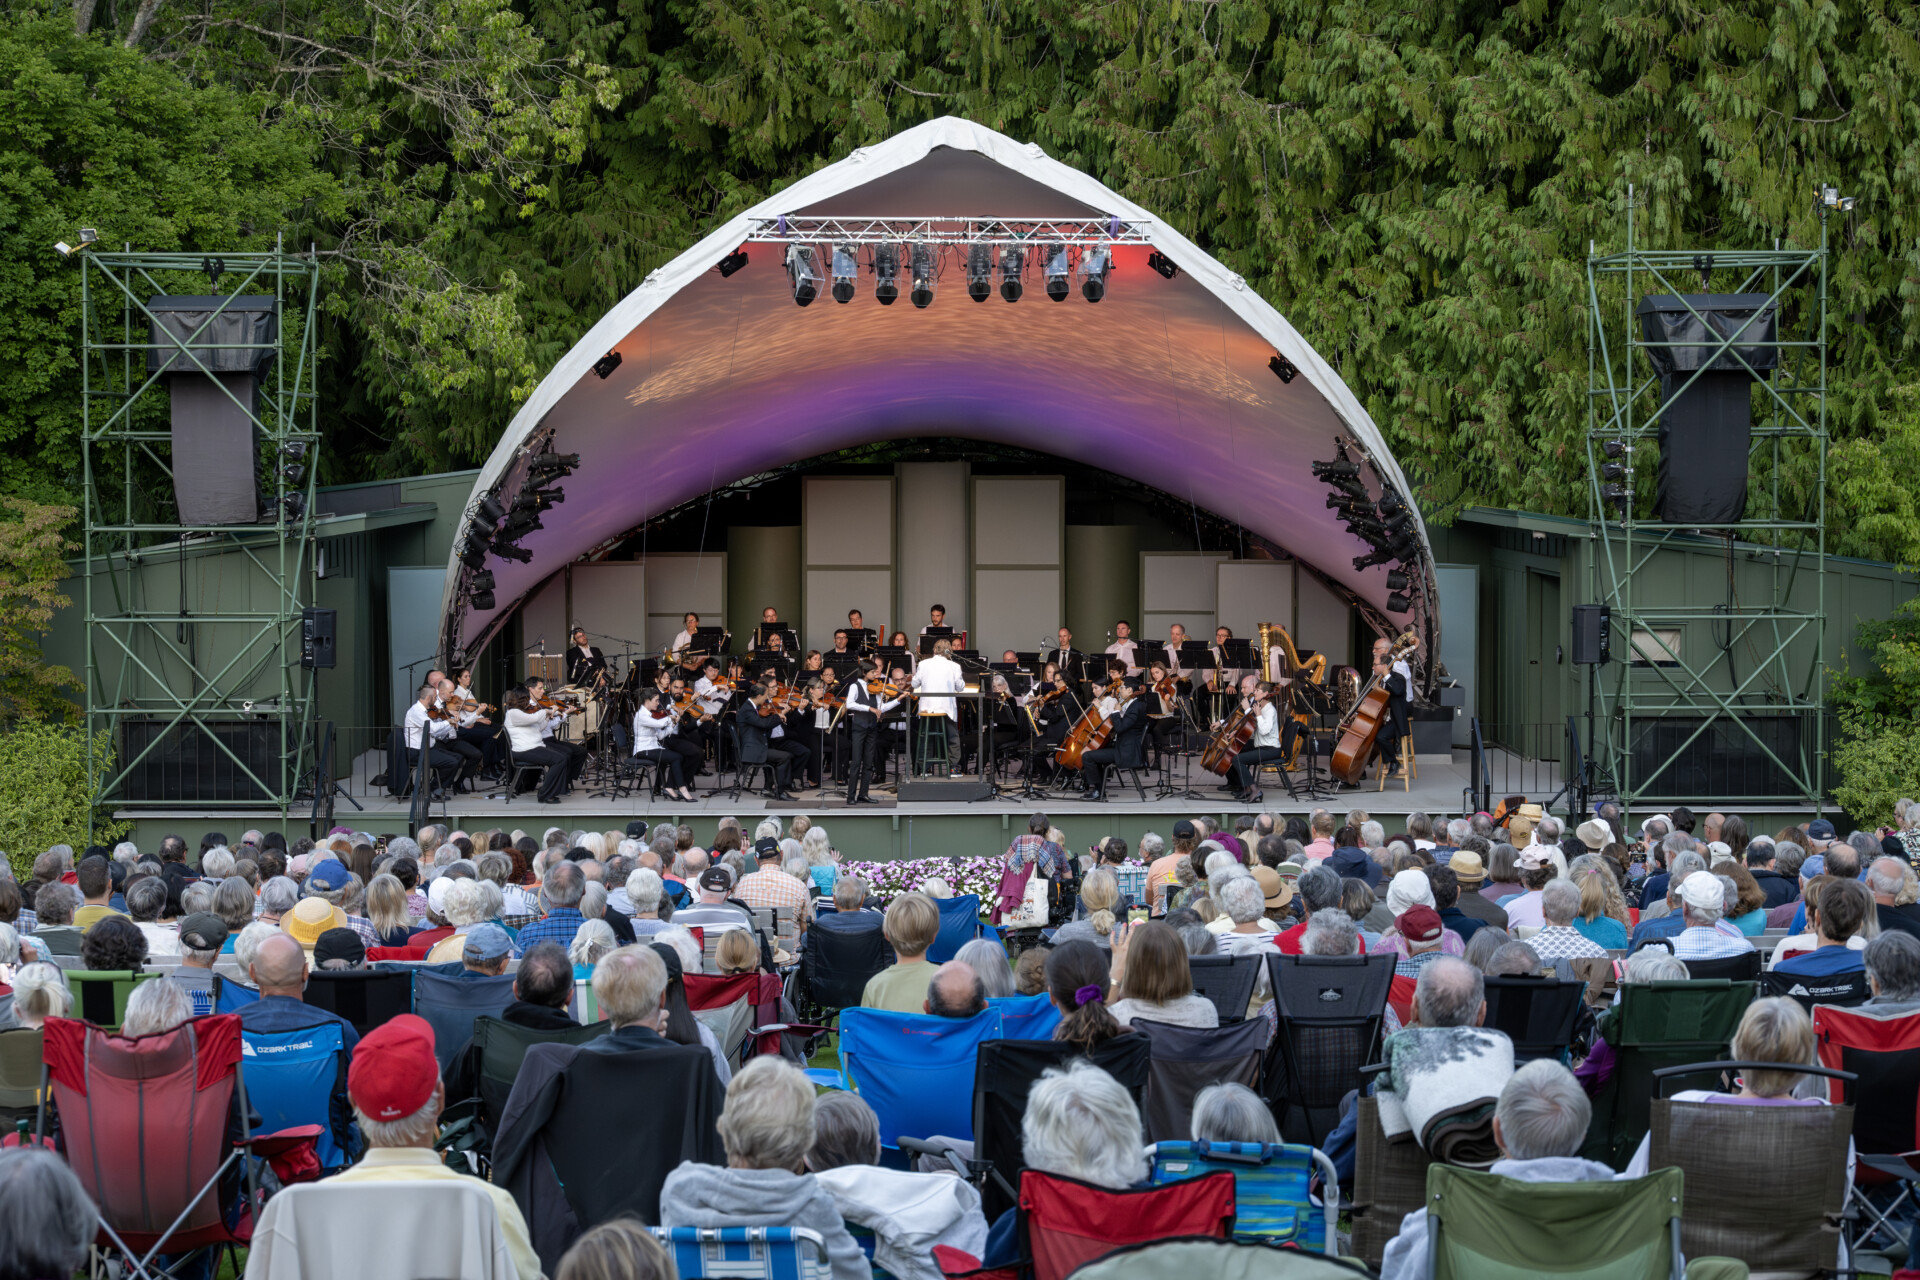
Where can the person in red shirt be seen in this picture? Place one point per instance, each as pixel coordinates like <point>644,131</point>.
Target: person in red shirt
<point>1319,888</point>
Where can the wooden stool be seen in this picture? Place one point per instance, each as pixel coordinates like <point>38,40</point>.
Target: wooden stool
<point>1409,769</point>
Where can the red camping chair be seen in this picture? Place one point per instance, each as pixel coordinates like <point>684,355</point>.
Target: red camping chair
<point>1400,996</point>
<point>754,1002</point>
<point>1066,1223</point>
<point>144,1125</point>
<point>1883,1051</point>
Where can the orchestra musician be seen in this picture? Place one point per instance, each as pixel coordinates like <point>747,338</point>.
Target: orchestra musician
<point>1397,680</point>
<point>936,617</point>
<point>653,727</point>
<point>468,740</point>
<point>864,709</point>
<point>1163,706</point>
<point>1053,717</point>
<point>899,641</point>
<point>1006,727</point>
<point>804,725</point>
<point>1266,745</point>
<point>575,752</point>
<point>492,748</point>
<point>1065,656</point>
<point>757,745</point>
<point>1123,647</point>
<point>840,642</point>
<point>436,734</point>
<point>1176,636</point>
<point>683,639</point>
<point>527,729</point>
<point>692,730</point>
<point>1010,657</point>
<point>859,638</point>
<point>938,674</point>
<point>1125,747</point>
<point>774,657</point>
<point>586,665</point>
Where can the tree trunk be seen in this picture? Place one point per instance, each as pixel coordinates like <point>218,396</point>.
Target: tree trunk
<point>141,21</point>
<point>83,16</point>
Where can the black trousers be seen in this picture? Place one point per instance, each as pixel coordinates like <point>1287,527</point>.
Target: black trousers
<point>447,765</point>
<point>863,740</point>
<point>471,755</point>
<point>690,753</point>
<point>781,755</point>
<point>576,754</point>
<point>1247,761</point>
<point>487,738</point>
<point>806,737</point>
<point>669,762</point>
<point>1093,763</point>
<point>557,764</point>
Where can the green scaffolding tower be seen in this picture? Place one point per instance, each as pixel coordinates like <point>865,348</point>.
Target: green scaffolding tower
<point>1717,678</point>
<point>194,631</point>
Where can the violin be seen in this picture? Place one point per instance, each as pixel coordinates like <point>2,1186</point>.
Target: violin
<point>689,705</point>
<point>554,704</point>
<point>459,706</point>
<point>1165,688</point>
<point>887,690</point>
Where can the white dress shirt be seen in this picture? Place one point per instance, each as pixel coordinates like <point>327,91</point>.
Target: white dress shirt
<point>858,699</point>
<point>712,697</point>
<point>1266,726</point>
<point>649,730</point>
<point>938,674</point>
<point>681,641</point>
<point>417,720</point>
<point>528,729</point>
<point>1123,650</point>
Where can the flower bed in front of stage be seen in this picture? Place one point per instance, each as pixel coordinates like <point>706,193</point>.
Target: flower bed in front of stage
<point>888,880</point>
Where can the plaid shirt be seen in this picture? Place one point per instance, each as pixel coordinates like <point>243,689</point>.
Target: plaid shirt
<point>1410,966</point>
<point>1563,942</point>
<point>1052,860</point>
<point>559,926</point>
<point>26,922</point>
<point>364,927</point>
<point>1704,942</point>
<point>771,889</point>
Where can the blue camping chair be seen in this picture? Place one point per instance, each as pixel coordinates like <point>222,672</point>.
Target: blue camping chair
<point>299,1078</point>
<point>915,1070</point>
<point>959,925</point>
<point>1027,1017</point>
<point>1271,1204</point>
<point>746,1253</point>
<point>450,1004</point>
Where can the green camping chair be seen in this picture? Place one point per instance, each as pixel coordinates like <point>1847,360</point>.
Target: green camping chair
<point>20,1050</point>
<point>1658,1025</point>
<point>100,997</point>
<point>1185,1257</point>
<point>501,1047</point>
<point>1481,1226</point>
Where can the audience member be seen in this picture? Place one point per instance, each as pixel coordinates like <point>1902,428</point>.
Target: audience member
<point>1078,982</point>
<point>1557,939</point>
<point>911,925</point>
<point>988,958</point>
<point>1703,903</point>
<point>955,991</point>
<point>114,945</point>
<point>1155,982</point>
<point>622,1249</point>
<point>279,970</point>
<point>1233,1113</point>
<point>1081,1124</point>
<point>40,992</point>
<point>47,1221</point>
<point>1892,962</point>
<point>1837,914</point>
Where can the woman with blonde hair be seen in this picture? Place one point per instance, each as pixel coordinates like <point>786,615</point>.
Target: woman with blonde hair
<point>1603,915</point>
<point>737,953</point>
<point>1156,983</point>
<point>1100,894</point>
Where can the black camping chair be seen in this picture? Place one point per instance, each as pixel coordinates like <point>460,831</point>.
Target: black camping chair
<point>1185,1060</point>
<point>1538,1014</point>
<point>1844,989</point>
<point>834,970</point>
<point>367,998</point>
<point>1330,1010</point>
<point>1227,981</point>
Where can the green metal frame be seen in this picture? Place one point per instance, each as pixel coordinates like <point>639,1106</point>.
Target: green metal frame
<point>126,455</point>
<point>1624,403</point>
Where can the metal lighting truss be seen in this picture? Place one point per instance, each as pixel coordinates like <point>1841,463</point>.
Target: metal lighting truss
<point>1072,233</point>
<point>1624,403</point>
<point>242,665</point>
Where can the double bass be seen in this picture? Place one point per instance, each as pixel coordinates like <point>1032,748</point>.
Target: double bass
<point>1354,749</point>
<point>1089,733</point>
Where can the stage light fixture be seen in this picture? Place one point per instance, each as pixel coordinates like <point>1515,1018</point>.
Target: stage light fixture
<point>481,581</point>
<point>1367,561</point>
<point>295,505</point>
<point>1058,269</point>
<point>1613,470</point>
<point>520,524</point>
<point>923,276</point>
<point>473,553</point>
<point>1397,580</point>
<point>886,271</point>
<point>1163,264</point>
<point>542,464</point>
<point>1614,448</point>
<point>1283,369</point>
<point>1341,469</point>
<point>481,600</point>
<point>1093,272</point>
<point>507,551</point>
<point>606,364</point>
<point>294,450</point>
<point>490,510</point>
<point>87,236</point>
<point>1617,493</point>
<point>293,473</point>
<point>846,267</point>
<point>1398,603</point>
<point>804,273</point>
<point>979,272</point>
<point>1013,264</point>
<point>733,262</point>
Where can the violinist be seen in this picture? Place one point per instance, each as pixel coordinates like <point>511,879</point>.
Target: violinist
<point>586,665</point>
<point>804,723</point>
<point>692,730</point>
<point>1266,746</point>
<point>864,709</point>
<point>653,726</point>
<point>575,752</point>
<point>757,746</point>
<point>1125,748</point>
<point>426,727</point>
<point>467,740</point>
<point>1163,706</point>
<point>527,729</point>
<point>1050,717</point>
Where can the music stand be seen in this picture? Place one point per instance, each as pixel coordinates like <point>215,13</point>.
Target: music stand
<point>889,654</point>
<point>859,639</point>
<point>930,635</point>
<point>841,664</point>
<point>1238,655</point>
<point>1028,658</point>
<point>1148,652</point>
<point>711,640</point>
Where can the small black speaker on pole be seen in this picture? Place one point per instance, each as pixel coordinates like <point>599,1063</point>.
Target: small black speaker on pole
<point>316,638</point>
<point>1592,634</point>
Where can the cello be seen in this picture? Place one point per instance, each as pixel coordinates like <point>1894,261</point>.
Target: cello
<point>1234,736</point>
<point>1354,749</point>
<point>1089,733</point>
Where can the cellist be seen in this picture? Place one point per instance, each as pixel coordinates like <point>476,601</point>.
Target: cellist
<point>1124,747</point>
<point>1396,677</point>
<point>1266,746</point>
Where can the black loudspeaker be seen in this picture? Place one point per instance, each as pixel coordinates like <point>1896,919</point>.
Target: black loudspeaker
<point>1706,429</point>
<point>1592,634</point>
<point>316,637</point>
<point>215,392</point>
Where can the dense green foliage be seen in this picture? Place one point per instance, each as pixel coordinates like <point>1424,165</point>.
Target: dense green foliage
<point>1414,186</point>
<point>44,793</point>
<point>1877,754</point>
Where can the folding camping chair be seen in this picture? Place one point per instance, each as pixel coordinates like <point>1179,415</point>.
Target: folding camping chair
<point>19,1077</point>
<point>1537,1014</point>
<point>1184,1060</point>
<point>1226,981</point>
<point>1766,1185</point>
<point>451,1004</point>
<point>959,925</point>
<point>367,998</point>
<point>743,1012</point>
<point>834,969</point>
<point>499,1048</point>
<point>1189,1256</point>
<point>1331,1009</point>
<point>300,1078</point>
<point>1389,1182</point>
<point>1845,990</point>
<point>916,1071</point>
<point>1656,1025</point>
<point>145,1125</point>
<point>1027,1017</point>
<point>1272,1204</point>
<point>1005,1073</point>
<point>1883,1051</point>
<point>100,997</point>
<point>1065,1223</point>
<point>1481,1224</point>
<point>746,1253</point>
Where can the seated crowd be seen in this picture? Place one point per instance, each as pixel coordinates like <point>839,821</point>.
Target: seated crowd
<point>635,921</point>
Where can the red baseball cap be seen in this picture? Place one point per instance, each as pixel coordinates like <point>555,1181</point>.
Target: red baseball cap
<point>1418,923</point>
<point>394,1070</point>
